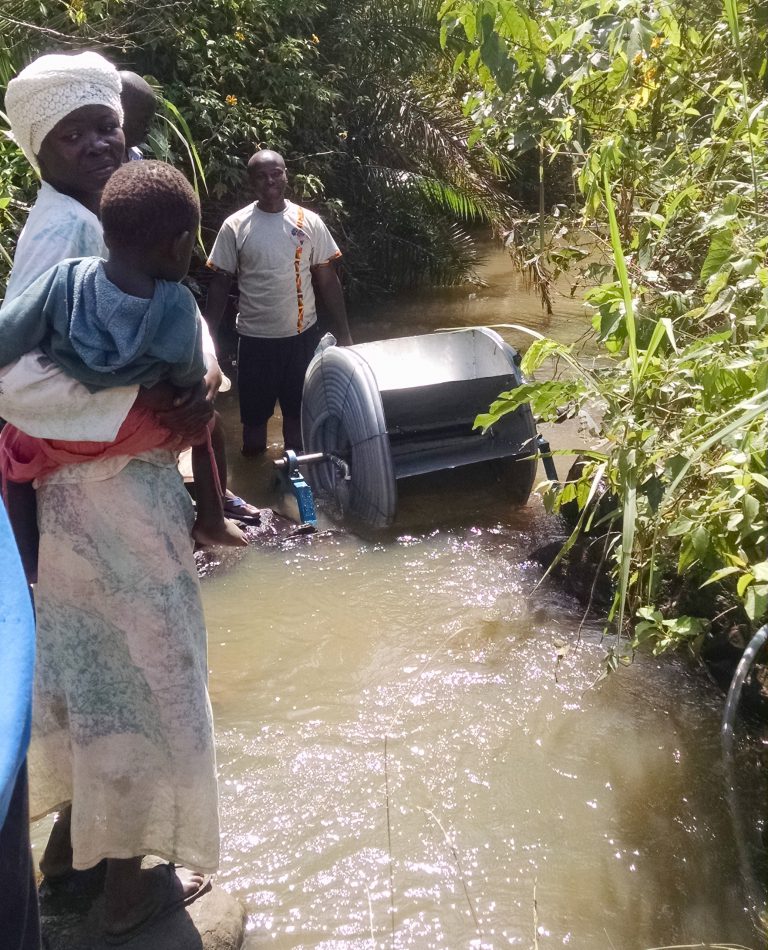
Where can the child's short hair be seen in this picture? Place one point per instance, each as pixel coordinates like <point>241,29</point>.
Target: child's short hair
<point>147,202</point>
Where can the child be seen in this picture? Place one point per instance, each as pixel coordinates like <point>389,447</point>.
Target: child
<point>120,322</point>
<point>139,103</point>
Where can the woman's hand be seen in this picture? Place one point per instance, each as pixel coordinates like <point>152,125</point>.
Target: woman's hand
<point>160,397</point>
<point>191,411</point>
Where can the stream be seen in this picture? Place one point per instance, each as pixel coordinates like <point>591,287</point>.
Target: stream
<point>412,750</point>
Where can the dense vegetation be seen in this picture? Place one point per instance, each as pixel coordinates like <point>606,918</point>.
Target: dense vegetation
<point>660,108</point>
<point>400,120</point>
<point>358,95</point>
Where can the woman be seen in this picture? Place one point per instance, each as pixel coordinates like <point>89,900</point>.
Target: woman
<point>122,722</point>
<point>66,119</point>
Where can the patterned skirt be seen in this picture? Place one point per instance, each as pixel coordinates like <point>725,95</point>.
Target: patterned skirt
<point>121,717</point>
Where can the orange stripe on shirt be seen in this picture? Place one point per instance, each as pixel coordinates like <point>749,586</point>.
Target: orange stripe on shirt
<point>297,268</point>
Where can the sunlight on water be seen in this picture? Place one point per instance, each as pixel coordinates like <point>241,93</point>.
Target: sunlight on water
<point>500,781</point>
<point>404,761</point>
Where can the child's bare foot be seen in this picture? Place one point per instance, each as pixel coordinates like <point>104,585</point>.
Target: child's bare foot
<point>224,532</point>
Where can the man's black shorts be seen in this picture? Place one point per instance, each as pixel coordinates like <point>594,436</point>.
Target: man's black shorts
<point>271,369</point>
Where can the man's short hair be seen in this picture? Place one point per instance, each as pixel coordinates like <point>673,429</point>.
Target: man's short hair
<point>269,153</point>
<point>136,91</point>
<point>147,202</point>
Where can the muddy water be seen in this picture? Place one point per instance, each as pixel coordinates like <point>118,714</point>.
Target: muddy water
<point>410,748</point>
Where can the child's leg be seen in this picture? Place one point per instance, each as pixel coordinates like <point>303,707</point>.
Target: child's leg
<point>234,506</point>
<point>219,452</point>
<point>21,501</point>
<point>211,527</point>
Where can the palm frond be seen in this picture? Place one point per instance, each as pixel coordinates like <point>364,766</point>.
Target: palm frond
<point>409,257</point>
<point>426,136</point>
<point>439,195</point>
<point>405,32</point>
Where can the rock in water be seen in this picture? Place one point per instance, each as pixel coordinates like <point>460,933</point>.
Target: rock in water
<point>215,921</point>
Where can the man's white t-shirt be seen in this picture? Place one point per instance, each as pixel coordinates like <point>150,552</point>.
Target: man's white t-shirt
<point>272,254</point>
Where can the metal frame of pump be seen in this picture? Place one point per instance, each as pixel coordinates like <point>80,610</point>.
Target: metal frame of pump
<point>288,469</point>
<point>294,481</point>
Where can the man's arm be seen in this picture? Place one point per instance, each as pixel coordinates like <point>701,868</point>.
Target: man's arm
<point>329,288</point>
<point>216,301</point>
<point>223,262</point>
<point>213,378</point>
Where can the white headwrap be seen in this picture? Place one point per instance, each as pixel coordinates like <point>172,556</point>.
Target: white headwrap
<point>53,86</point>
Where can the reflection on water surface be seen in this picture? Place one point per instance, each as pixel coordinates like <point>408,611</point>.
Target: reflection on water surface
<point>503,781</point>
<point>514,805</point>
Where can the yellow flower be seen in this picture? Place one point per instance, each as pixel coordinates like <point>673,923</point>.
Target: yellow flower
<point>649,75</point>
<point>638,58</point>
<point>239,36</point>
<point>315,38</point>
<point>656,42</point>
<point>231,100</point>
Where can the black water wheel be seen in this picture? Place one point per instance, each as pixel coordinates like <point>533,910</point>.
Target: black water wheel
<point>342,415</point>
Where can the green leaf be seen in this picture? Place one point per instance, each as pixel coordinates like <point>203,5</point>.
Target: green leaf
<point>685,627</point>
<point>539,352</point>
<point>732,16</point>
<point>700,539</point>
<point>743,583</point>
<point>721,573</point>
<point>621,270</point>
<point>751,508</point>
<point>756,602</point>
<point>720,252</point>
<point>690,192</point>
<point>661,330</point>
<point>653,489</point>
<point>760,570</point>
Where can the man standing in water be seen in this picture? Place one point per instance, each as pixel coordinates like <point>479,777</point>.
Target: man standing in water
<point>276,249</point>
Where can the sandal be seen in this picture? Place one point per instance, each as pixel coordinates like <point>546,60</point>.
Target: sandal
<point>164,900</point>
<point>238,509</point>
